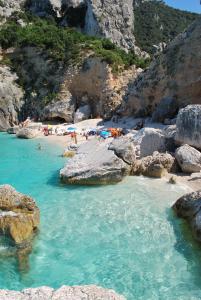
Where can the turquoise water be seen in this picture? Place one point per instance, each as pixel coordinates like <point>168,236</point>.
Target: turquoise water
<point>121,236</point>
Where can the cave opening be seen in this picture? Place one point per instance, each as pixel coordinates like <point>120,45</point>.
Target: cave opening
<point>75,16</point>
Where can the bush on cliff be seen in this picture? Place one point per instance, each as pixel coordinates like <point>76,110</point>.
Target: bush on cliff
<point>63,44</point>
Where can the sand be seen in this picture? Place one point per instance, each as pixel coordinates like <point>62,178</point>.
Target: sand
<point>193,182</point>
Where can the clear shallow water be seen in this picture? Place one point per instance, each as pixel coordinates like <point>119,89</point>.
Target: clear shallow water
<point>121,236</point>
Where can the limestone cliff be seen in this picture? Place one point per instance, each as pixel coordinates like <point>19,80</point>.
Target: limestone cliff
<point>176,74</point>
<point>103,18</point>
<point>11,96</point>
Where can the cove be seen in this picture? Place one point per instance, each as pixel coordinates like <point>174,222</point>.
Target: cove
<point>122,236</point>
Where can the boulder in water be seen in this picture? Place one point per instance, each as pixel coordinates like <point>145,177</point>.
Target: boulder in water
<point>94,163</point>
<point>27,133</point>
<point>189,207</point>
<point>19,215</point>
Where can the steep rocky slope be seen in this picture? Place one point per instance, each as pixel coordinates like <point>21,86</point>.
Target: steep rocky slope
<point>11,96</point>
<point>175,74</point>
<point>156,23</point>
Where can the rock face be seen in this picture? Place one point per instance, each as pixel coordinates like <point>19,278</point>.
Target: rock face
<point>82,113</point>
<point>157,165</point>
<point>10,98</point>
<point>93,17</point>
<point>94,164</point>
<point>174,74</point>
<point>189,159</point>
<point>189,126</point>
<point>61,110</point>
<point>90,292</point>
<point>189,207</point>
<point>9,6</point>
<point>19,215</point>
<point>148,140</point>
<point>96,85</point>
<point>166,109</point>
<point>27,133</point>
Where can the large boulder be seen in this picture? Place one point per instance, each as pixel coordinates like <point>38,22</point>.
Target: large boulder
<point>189,126</point>
<point>94,164</point>
<point>189,207</point>
<point>19,215</point>
<point>90,292</point>
<point>124,149</point>
<point>189,159</point>
<point>157,165</point>
<point>148,140</point>
<point>27,133</point>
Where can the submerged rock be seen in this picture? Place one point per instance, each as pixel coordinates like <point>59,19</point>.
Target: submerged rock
<point>189,126</point>
<point>189,159</point>
<point>19,215</point>
<point>94,164</point>
<point>27,133</point>
<point>90,292</point>
<point>189,207</point>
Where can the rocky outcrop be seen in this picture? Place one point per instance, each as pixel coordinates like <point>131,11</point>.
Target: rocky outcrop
<point>19,215</point>
<point>189,126</point>
<point>189,207</point>
<point>157,165</point>
<point>189,159</point>
<point>96,85</point>
<point>27,133</point>
<point>7,7</point>
<point>10,98</point>
<point>94,164</point>
<point>90,292</point>
<point>59,110</point>
<point>174,74</point>
<point>148,140</point>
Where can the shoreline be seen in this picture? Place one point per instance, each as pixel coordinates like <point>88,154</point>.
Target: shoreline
<point>191,181</point>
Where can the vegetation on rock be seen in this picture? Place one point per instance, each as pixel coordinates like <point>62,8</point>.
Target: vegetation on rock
<point>63,44</point>
<point>155,22</point>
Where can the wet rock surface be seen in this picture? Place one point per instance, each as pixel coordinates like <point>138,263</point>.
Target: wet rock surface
<point>189,208</point>
<point>19,215</point>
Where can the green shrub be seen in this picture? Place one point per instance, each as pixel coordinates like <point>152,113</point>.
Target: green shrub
<point>63,44</point>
